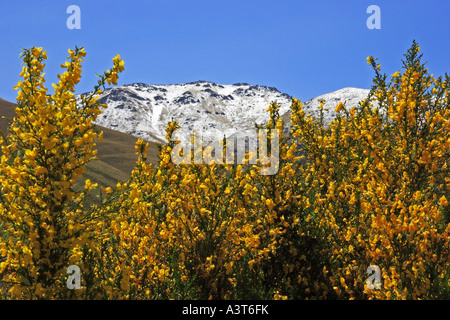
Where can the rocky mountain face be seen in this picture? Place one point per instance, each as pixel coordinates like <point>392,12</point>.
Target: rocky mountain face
<point>210,109</point>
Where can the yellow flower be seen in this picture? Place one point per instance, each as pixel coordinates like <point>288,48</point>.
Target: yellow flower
<point>270,203</point>
<point>443,201</point>
<point>116,58</point>
<point>339,107</point>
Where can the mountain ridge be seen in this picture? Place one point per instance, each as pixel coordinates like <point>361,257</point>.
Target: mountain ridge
<point>214,110</point>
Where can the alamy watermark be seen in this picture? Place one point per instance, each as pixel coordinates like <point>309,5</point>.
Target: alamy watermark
<point>234,150</point>
<point>74,279</point>
<point>374,20</point>
<point>374,280</point>
<point>74,20</point>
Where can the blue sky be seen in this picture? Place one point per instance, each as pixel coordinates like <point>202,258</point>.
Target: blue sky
<point>303,48</point>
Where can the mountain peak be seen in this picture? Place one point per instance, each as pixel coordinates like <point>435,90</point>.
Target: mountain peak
<point>144,110</point>
<point>215,110</point>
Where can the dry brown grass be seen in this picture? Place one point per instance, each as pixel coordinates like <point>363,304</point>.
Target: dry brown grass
<point>116,154</point>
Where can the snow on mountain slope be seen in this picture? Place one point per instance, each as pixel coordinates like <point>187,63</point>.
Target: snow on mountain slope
<point>212,109</point>
<point>349,95</point>
<point>352,96</point>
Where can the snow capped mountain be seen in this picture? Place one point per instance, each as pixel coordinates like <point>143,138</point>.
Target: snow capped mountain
<point>349,95</point>
<point>211,109</point>
<point>352,96</point>
<point>214,110</point>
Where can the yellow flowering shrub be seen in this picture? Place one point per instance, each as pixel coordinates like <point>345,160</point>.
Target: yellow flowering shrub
<point>186,231</point>
<point>369,189</point>
<point>377,184</point>
<point>45,225</point>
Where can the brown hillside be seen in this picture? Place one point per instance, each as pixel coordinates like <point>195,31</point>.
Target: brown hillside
<point>116,154</point>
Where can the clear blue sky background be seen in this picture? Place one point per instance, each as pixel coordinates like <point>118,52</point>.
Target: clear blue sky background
<point>303,48</point>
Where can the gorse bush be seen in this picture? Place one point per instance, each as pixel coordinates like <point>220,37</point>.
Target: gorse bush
<point>370,188</point>
<point>45,225</point>
<point>376,186</point>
